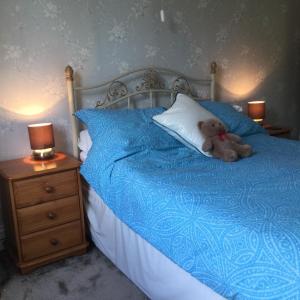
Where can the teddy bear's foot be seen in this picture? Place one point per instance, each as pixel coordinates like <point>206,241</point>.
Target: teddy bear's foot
<point>230,156</point>
<point>245,150</point>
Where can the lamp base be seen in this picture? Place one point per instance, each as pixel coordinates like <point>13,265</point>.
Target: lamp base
<point>259,121</point>
<point>43,154</point>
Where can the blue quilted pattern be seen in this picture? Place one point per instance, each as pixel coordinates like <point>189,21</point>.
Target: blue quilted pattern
<point>233,226</point>
<point>130,124</point>
<point>235,121</point>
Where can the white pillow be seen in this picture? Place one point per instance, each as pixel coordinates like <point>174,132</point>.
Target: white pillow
<point>84,141</point>
<point>181,121</point>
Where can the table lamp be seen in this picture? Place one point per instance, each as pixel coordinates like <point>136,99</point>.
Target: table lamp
<point>256,110</point>
<point>41,140</point>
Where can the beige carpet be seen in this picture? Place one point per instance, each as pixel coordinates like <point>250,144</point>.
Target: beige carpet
<point>91,276</point>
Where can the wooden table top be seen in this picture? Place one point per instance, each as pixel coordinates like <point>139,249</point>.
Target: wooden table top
<point>27,167</point>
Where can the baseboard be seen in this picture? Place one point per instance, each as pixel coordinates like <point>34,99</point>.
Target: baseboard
<point>2,235</point>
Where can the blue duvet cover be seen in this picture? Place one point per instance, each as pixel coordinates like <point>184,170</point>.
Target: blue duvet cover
<point>233,226</point>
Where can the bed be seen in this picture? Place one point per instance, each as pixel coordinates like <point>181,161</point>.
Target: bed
<point>182,225</point>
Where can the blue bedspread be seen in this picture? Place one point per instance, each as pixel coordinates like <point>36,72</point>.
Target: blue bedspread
<point>233,226</point>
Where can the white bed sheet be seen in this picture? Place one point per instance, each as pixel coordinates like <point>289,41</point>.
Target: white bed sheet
<point>155,274</point>
<point>84,141</point>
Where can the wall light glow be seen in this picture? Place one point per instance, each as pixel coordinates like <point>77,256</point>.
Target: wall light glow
<point>241,87</point>
<point>31,100</point>
<point>243,82</point>
<point>30,110</point>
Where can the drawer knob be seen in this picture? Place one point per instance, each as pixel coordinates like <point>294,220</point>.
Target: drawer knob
<point>54,242</point>
<point>49,189</point>
<point>51,215</point>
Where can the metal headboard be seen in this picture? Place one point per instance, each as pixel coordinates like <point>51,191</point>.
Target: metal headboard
<point>150,82</point>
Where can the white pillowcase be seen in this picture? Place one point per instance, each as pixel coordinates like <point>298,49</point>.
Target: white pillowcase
<point>181,121</point>
<point>84,141</point>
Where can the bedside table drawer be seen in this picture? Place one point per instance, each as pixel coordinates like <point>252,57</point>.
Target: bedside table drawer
<point>45,188</point>
<point>50,241</point>
<point>43,216</point>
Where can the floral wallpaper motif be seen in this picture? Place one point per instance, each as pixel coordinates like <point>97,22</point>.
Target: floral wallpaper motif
<point>255,43</point>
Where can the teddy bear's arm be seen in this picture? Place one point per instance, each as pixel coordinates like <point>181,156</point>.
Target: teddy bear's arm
<point>207,145</point>
<point>234,137</point>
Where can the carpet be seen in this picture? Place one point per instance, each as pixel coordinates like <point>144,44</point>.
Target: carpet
<point>90,276</point>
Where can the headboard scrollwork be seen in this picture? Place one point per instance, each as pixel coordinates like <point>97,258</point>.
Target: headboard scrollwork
<point>148,81</point>
<point>117,89</point>
<point>181,85</point>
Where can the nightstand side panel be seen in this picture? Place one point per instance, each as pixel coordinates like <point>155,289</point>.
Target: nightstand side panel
<point>81,206</point>
<point>10,220</point>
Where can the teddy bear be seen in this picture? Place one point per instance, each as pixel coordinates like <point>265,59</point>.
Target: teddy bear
<point>220,143</point>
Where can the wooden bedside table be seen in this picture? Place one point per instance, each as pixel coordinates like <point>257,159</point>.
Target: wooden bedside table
<point>42,210</point>
<point>278,131</point>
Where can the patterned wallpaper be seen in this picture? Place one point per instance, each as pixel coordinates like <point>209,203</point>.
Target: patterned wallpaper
<point>256,44</point>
